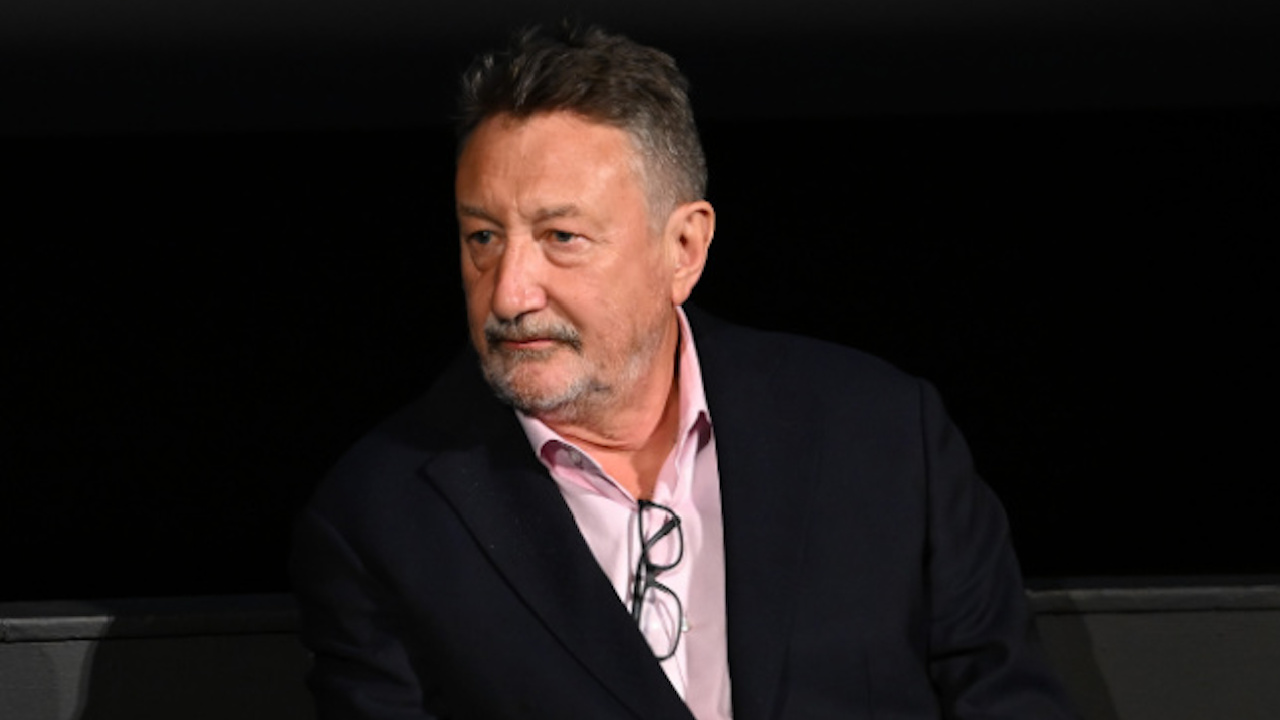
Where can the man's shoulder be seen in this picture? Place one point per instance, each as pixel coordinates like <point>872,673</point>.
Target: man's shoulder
<point>797,361</point>
<point>457,409</point>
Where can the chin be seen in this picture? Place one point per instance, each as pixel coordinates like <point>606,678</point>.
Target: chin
<point>534,391</point>
<point>542,403</point>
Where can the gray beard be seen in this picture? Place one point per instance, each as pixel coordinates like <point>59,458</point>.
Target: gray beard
<point>498,366</point>
<point>579,400</point>
<point>587,398</point>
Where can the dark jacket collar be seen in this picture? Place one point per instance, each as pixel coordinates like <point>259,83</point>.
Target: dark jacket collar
<point>762,451</point>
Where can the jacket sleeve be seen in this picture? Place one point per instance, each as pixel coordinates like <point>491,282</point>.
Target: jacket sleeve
<point>350,623</point>
<point>985,659</point>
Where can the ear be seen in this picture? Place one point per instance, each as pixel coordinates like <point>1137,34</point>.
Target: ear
<point>688,239</point>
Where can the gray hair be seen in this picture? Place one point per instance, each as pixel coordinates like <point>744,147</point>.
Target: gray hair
<point>602,77</point>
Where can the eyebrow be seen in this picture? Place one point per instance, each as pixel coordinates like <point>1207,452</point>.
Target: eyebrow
<point>475,212</point>
<point>542,215</point>
<point>552,213</point>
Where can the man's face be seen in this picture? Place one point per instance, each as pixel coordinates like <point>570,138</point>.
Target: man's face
<point>569,286</point>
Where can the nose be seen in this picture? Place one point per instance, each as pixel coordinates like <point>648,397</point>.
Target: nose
<point>518,285</point>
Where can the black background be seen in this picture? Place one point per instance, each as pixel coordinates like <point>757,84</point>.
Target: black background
<point>224,260</point>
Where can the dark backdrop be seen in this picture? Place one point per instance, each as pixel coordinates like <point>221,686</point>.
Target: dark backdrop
<point>221,265</point>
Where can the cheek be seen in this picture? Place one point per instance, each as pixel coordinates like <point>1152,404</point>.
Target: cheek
<point>475,284</point>
<point>649,286</point>
<point>477,299</point>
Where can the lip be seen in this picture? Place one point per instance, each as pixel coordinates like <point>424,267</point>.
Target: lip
<point>531,344</point>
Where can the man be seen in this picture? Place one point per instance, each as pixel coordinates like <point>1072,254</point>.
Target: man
<point>659,515</point>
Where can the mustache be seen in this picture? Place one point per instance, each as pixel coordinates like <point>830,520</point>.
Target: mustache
<point>498,331</point>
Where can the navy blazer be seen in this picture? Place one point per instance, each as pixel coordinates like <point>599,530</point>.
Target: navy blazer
<point>869,572</point>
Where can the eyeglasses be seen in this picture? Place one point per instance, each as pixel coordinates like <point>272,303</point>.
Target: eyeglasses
<point>659,552</point>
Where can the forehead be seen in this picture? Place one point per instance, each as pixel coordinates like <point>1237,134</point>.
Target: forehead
<point>554,157</point>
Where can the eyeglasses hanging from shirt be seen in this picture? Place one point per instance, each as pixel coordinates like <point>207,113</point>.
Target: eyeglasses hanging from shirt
<point>655,607</point>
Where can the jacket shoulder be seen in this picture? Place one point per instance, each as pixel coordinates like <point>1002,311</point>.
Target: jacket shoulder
<point>455,412</point>
<point>807,369</point>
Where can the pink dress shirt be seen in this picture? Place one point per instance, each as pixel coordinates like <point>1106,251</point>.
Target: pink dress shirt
<point>689,484</point>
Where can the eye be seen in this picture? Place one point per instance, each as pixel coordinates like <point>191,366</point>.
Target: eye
<point>564,246</point>
<point>484,247</point>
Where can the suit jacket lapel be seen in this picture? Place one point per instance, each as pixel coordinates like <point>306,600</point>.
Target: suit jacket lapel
<point>516,513</point>
<point>763,456</point>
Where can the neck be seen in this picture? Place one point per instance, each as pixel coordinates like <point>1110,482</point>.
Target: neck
<point>633,436</point>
